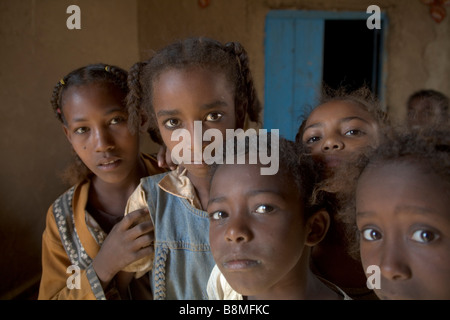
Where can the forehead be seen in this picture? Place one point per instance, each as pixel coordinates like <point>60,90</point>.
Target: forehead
<point>94,94</point>
<point>190,77</point>
<point>397,184</point>
<point>249,176</point>
<point>336,110</point>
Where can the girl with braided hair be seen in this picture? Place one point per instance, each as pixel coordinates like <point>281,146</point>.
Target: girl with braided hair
<point>85,229</point>
<point>192,80</point>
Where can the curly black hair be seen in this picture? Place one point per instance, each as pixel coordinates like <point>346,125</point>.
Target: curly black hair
<point>362,97</point>
<point>294,163</point>
<point>428,146</point>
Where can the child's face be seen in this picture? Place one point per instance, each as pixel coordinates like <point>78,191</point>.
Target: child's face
<point>96,126</point>
<point>422,112</point>
<point>257,232</point>
<point>182,97</point>
<point>336,130</point>
<point>403,217</point>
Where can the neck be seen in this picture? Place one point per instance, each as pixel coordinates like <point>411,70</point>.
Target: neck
<point>112,197</point>
<point>332,261</point>
<point>299,284</point>
<point>201,182</point>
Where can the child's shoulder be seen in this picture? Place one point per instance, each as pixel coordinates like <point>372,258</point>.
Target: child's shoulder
<point>151,164</point>
<point>154,179</point>
<point>67,197</point>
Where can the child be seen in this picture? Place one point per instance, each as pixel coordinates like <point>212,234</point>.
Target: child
<point>342,126</point>
<point>427,107</point>
<point>196,79</point>
<point>262,230</point>
<point>401,200</point>
<point>84,228</point>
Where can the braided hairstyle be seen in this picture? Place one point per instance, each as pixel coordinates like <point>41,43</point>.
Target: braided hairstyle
<point>230,59</point>
<point>87,75</point>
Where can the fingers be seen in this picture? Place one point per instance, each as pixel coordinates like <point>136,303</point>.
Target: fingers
<point>133,218</point>
<point>161,157</point>
<point>138,228</point>
<point>164,158</point>
<point>144,241</point>
<point>169,161</point>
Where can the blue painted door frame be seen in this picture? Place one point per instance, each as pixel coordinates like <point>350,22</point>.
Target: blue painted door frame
<point>294,42</point>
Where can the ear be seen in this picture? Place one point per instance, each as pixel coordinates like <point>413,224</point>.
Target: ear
<point>317,227</point>
<point>66,133</point>
<point>143,122</point>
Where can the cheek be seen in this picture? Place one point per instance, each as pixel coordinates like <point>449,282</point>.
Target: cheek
<point>129,141</point>
<point>216,240</point>
<point>289,234</point>
<point>369,255</point>
<point>80,146</point>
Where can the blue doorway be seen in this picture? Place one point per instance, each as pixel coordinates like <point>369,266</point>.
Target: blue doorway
<point>304,49</point>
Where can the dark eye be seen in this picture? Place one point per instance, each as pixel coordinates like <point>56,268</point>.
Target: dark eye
<point>172,123</point>
<point>424,236</point>
<point>264,209</point>
<point>213,116</point>
<point>218,215</point>
<point>370,234</point>
<point>312,140</point>
<point>81,130</point>
<point>117,120</point>
<point>354,132</point>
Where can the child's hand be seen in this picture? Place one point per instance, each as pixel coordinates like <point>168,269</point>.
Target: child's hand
<point>127,242</point>
<point>164,158</point>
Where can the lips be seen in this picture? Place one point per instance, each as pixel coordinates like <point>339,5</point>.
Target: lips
<point>240,264</point>
<point>332,161</point>
<point>108,163</point>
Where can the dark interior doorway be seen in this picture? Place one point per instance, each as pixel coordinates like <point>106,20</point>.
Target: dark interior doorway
<point>352,55</point>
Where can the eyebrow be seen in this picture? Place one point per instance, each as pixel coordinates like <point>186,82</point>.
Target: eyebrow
<point>399,209</point>
<point>251,193</point>
<point>110,111</point>
<point>204,107</point>
<point>365,213</point>
<point>347,119</point>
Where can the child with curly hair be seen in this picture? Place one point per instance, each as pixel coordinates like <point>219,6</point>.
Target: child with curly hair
<point>398,195</point>
<point>262,230</point>
<point>342,126</point>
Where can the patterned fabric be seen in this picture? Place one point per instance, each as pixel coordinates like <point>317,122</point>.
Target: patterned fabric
<point>62,209</point>
<point>73,237</point>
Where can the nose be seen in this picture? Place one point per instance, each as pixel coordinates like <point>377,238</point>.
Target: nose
<point>197,145</point>
<point>332,143</point>
<point>394,263</point>
<point>104,140</point>
<point>238,230</point>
